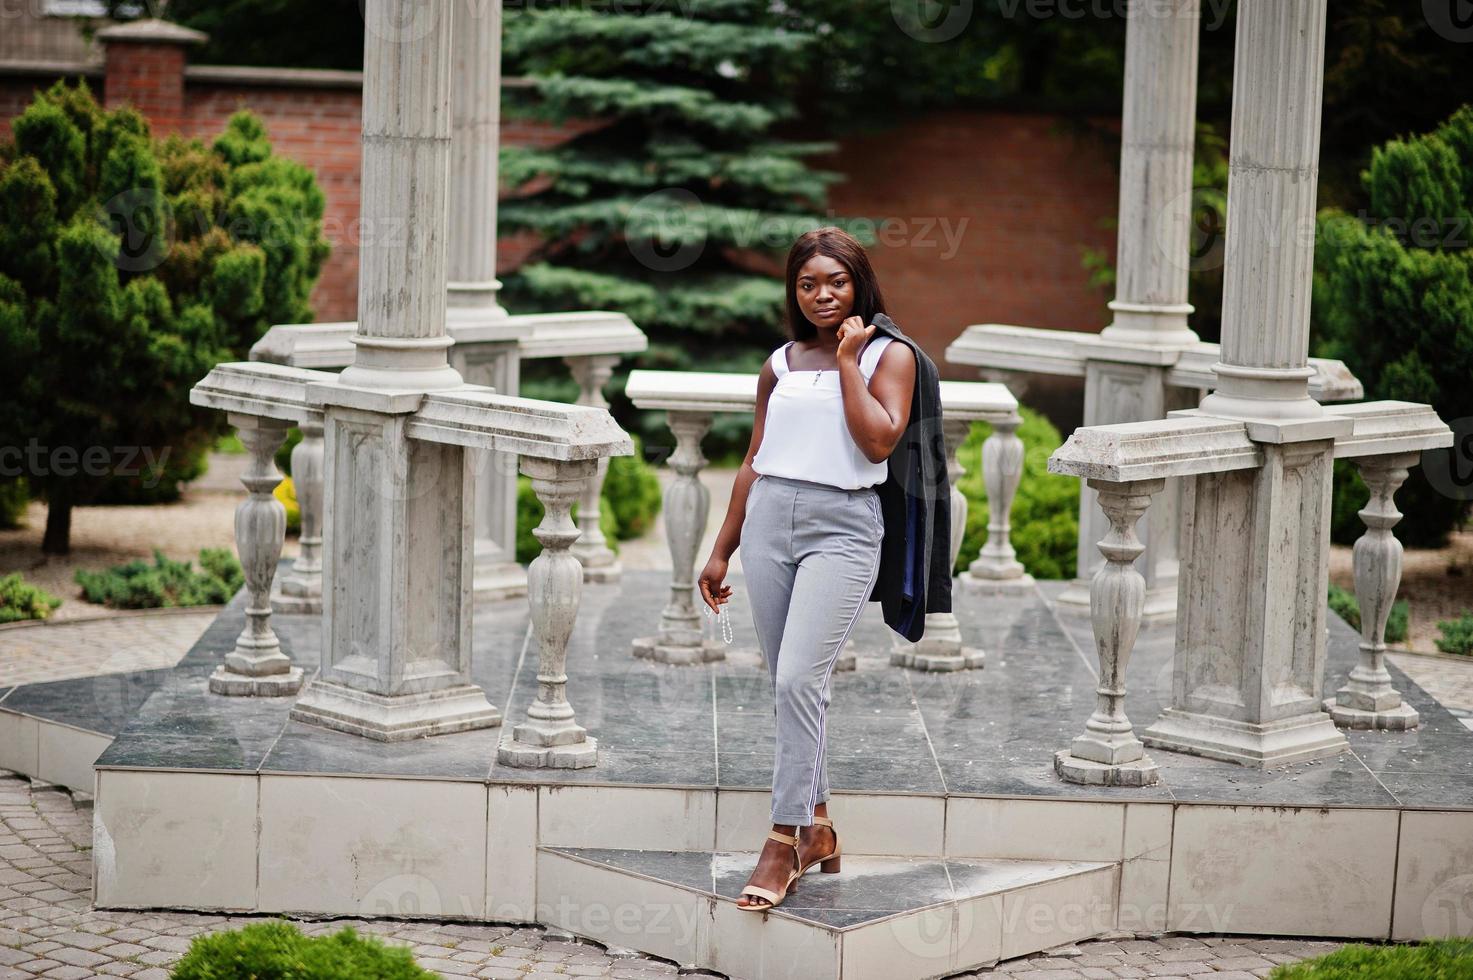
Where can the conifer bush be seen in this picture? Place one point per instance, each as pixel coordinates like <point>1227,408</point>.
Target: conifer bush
<point>130,266</point>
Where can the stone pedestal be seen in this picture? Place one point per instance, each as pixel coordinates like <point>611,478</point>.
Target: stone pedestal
<point>396,622</point>
<point>1250,648</point>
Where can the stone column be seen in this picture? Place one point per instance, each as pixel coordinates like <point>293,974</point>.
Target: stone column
<point>1126,377</point>
<point>1273,177</point>
<point>1368,700</point>
<point>1250,649</point>
<point>301,587</point>
<point>600,564</point>
<point>940,648</point>
<point>398,516</point>
<point>687,505</point>
<point>472,288</point>
<point>257,666</point>
<point>1108,753</point>
<point>1157,135</point>
<point>474,147</point>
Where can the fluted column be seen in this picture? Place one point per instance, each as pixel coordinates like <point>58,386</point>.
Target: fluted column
<point>1273,177</point>
<point>401,340</point>
<point>550,737</point>
<point>1157,132</point>
<point>940,647</point>
<point>600,564</point>
<point>1108,753</point>
<point>475,144</point>
<point>257,666</point>
<point>687,505</point>
<point>1368,699</point>
<point>301,586</point>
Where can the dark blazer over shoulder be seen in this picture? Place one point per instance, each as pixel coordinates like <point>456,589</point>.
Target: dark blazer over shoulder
<point>915,498</point>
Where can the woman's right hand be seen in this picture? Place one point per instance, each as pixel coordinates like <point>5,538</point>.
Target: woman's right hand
<point>712,591</point>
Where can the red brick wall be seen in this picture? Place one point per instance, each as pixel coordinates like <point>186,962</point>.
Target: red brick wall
<point>1018,194</point>
<point>1021,197</point>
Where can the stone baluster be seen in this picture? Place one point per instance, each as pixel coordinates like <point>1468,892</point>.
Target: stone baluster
<point>550,738</point>
<point>1108,753</point>
<point>600,564</point>
<point>940,647</point>
<point>687,505</point>
<point>301,587</point>
<point>1368,700</point>
<point>257,665</point>
<point>997,566</point>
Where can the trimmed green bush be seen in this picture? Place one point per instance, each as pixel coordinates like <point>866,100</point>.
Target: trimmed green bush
<point>1045,515</point>
<point>1438,959</point>
<point>21,600</point>
<point>632,491</point>
<point>278,950</point>
<point>139,585</point>
<point>1344,604</point>
<point>1457,634</point>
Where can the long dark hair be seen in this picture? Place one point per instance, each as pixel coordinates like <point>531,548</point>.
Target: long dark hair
<point>839,245</point>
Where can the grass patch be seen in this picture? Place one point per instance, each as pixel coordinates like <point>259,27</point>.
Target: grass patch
<point>1439,959</point>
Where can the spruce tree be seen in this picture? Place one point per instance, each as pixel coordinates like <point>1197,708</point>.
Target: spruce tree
<point>678,208</point>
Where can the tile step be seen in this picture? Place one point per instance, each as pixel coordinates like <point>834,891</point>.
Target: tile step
<point>881,918</point>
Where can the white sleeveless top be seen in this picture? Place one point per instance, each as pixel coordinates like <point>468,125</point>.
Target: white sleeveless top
<point>804,436</point>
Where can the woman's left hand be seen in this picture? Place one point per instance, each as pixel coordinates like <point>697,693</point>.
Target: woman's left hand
<point>852,337</point>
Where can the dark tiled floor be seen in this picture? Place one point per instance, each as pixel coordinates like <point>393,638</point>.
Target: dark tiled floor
<point>987,732</point>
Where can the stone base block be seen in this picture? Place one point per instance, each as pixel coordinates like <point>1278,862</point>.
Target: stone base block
<point>1141,772</point>
<point>501,580</point>
<point>577,755</point>
<point>1402,718</point>
<point>968,658</point>
<point>611,572</point>
<point>653,648</point>
<point>228,682</point>
<point>847,659</point>
<point>978,583</point>
<point>395,718</point>
<point>307,604</point>
<point>1297,739</point>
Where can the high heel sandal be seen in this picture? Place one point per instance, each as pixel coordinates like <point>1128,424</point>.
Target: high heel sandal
<point>774,899</point>
<point>829,863</point>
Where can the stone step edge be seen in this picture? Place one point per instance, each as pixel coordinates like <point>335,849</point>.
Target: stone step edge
<point>1085,868</point>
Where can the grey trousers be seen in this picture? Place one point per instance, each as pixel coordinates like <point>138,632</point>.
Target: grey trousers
<point>810,557</point>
